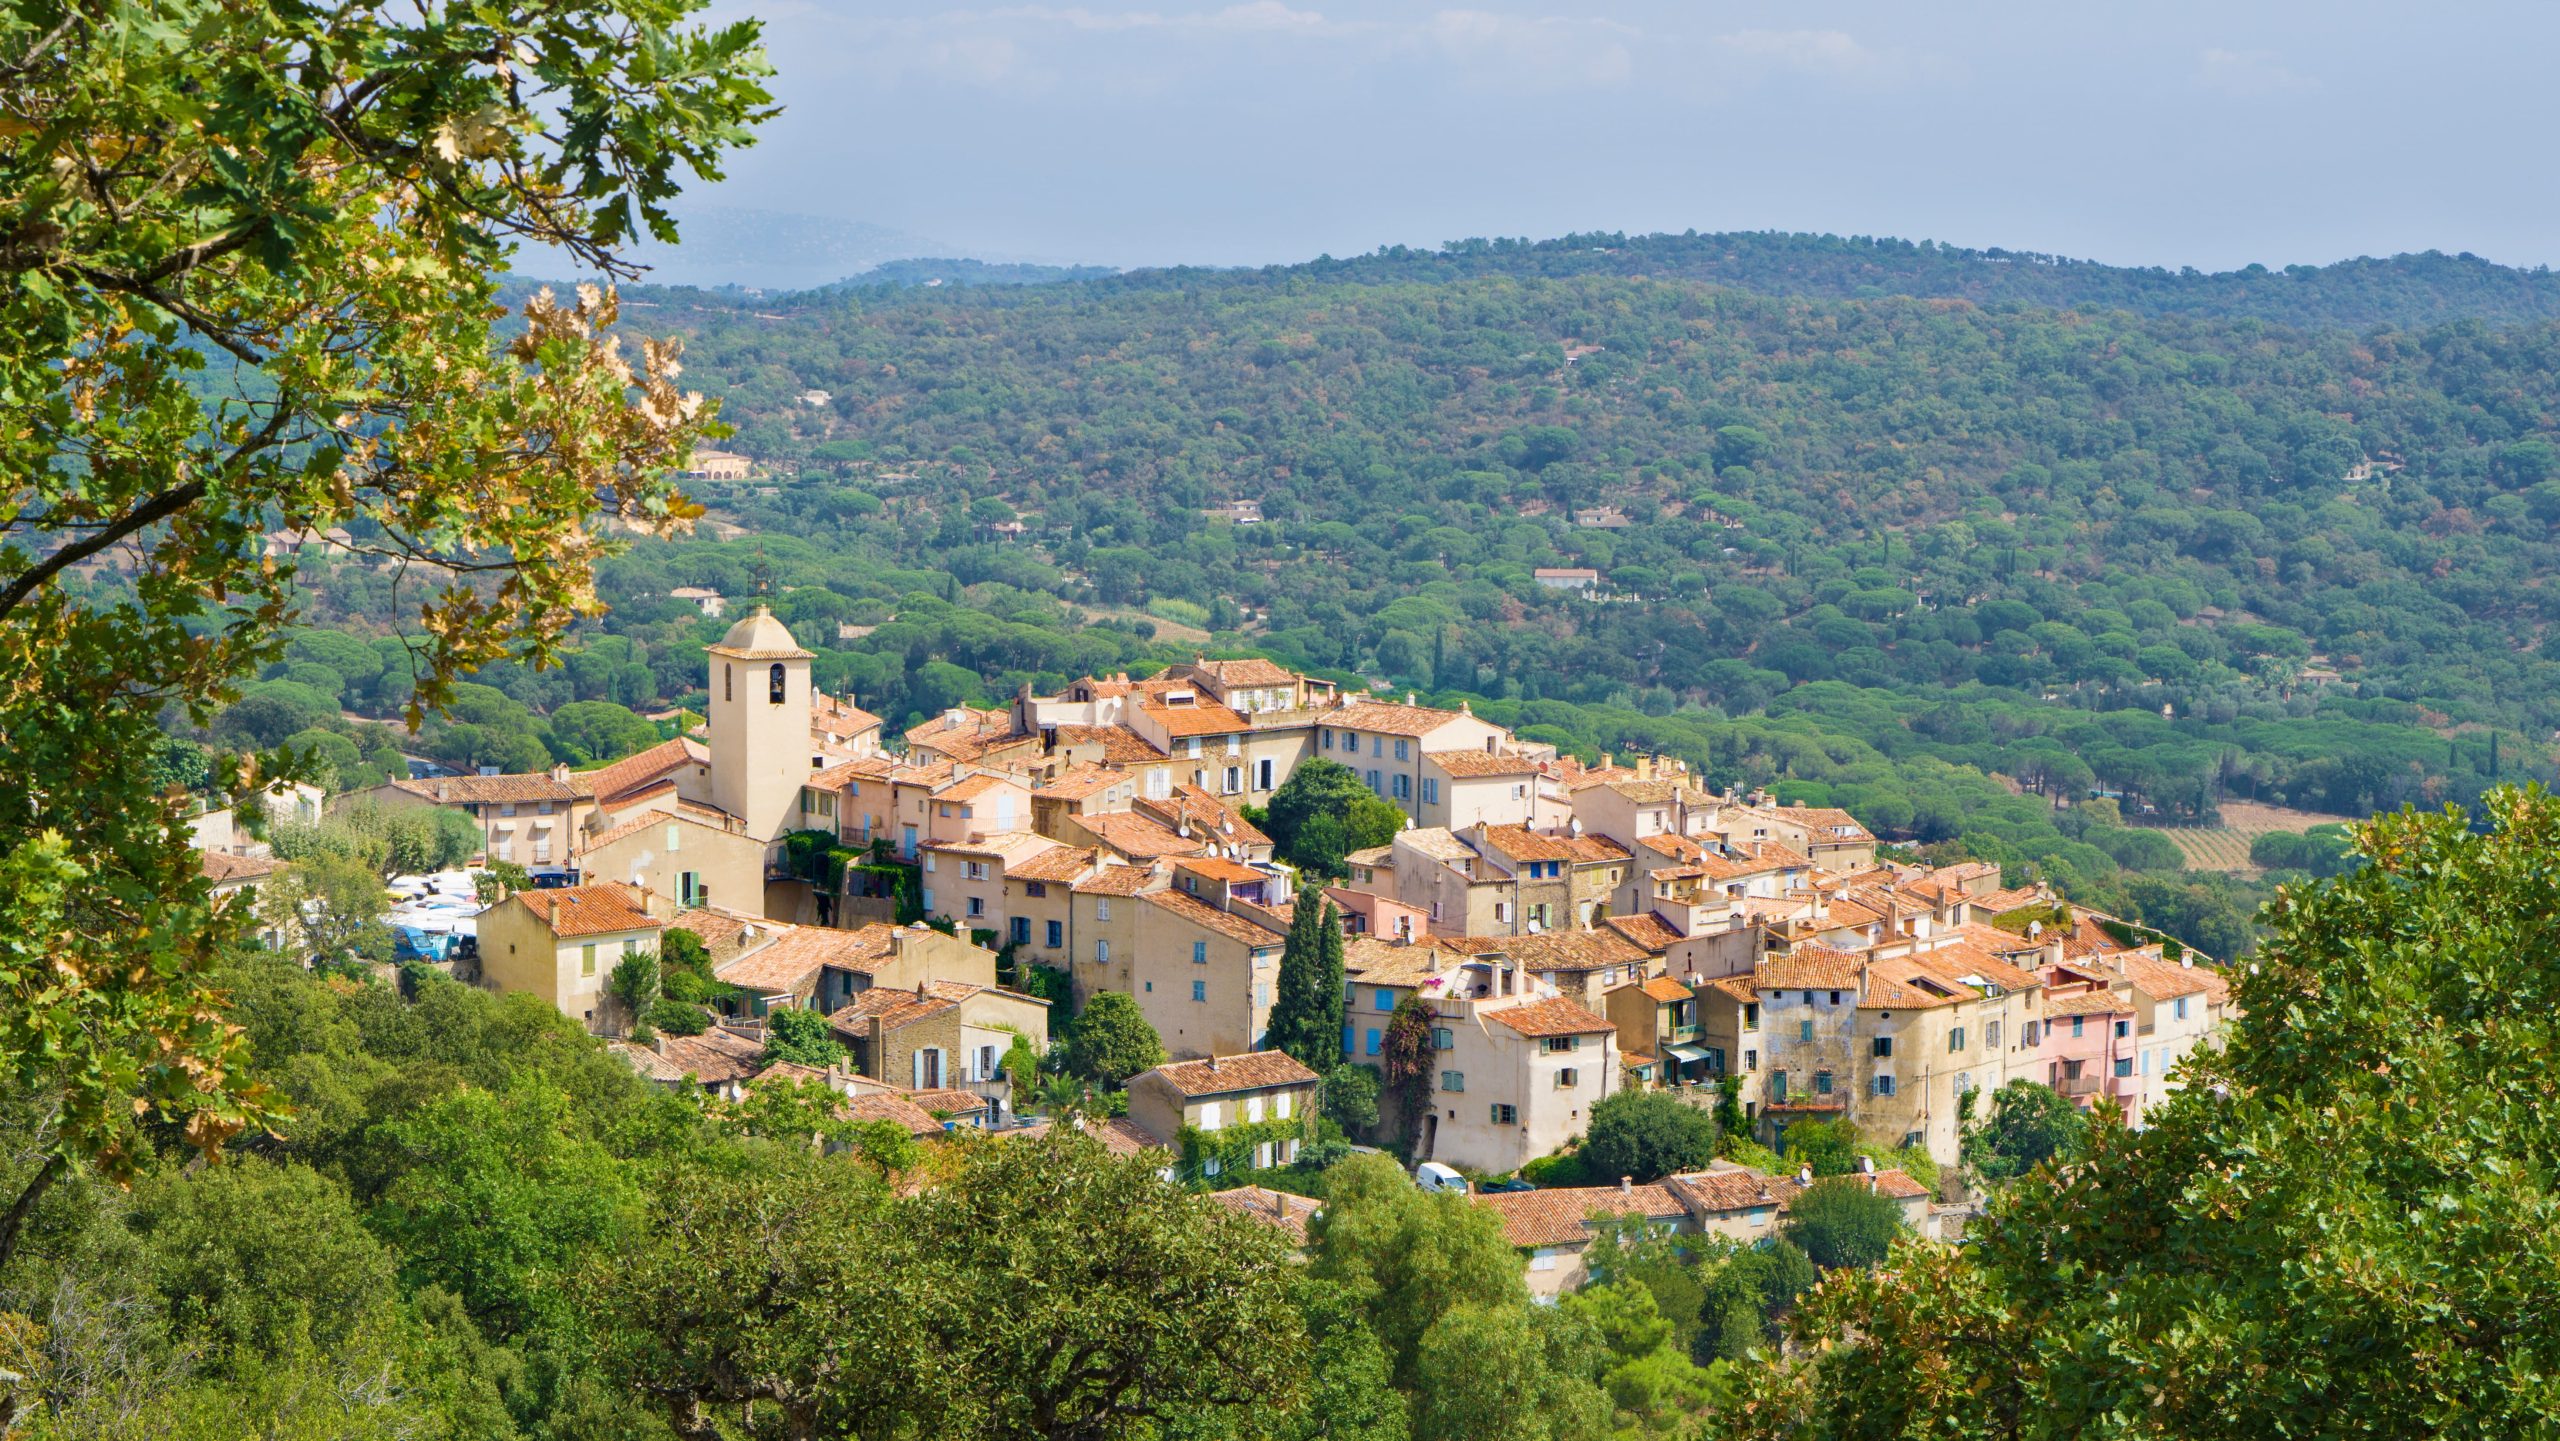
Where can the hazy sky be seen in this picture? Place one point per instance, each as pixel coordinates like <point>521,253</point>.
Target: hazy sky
<point>2162,132</point>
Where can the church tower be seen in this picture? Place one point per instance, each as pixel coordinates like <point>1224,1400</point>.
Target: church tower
<point>759,724</point>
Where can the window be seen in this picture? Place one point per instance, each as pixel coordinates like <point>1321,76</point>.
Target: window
<point>1751,1016</point>
<point>2078,1025</point>
<point>1822,1083</point>
<point>1442,1039</point>
<point>689,888</point>
<point>1022,930</point>
<point>587,959</point>
<point>2027,1033</point>
<point>1369,1041</point>
<point>1199,990</point>
<point>2178,1008</point>
<point>2123,1029</point>
<point>1102,953</point>
<point>1567,1078</point>
<point>777,684</point>
<point>1057,935</point>
<point>973,870</point>
<point>1553,1045</point>
<point>728,691</point>
<point>1035,889</point>
<point>1715,1059</point>
<point>1751,1060</point>
<point>1991,1035</point>
<point>1404,788</point>
<point>1199,953</point>
<point>1453,1080</point>
<point>1280,1106</point>
<point>977,906</point>
<point>1431,790</point>
<point>2124,1065</point>
<point>1804,1030</point>
<point>1777,1088</point>
<point>1262,993</point>
<point>1386,999</point>
<point>1506,1115</point>
<point>1835,998</point>
<point>1210,1117</point>
<point>1404,750</point>
<point>1235,779</point>
<point>1502,912</point>
<point>1102,909</point>
<point>1964,1083</point>
<point>1955,1039</point>
<point>630,947</point>
<point>1373,784</point>
<point>1328,740</point>
<point>1377,745</point>
<point>1884,1085</point>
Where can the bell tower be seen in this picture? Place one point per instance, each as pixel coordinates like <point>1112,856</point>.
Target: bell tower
<point>759,686</point>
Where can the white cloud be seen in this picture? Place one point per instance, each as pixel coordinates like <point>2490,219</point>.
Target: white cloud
<point>1810,52</point>
<point>1541,53</point>
<point>2250,73</point>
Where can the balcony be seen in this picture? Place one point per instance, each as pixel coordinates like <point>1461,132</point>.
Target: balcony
<point>1684,1033</point>
<point>2078,1086</point>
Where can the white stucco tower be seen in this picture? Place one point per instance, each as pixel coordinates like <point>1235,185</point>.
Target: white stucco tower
<point>759,724</point>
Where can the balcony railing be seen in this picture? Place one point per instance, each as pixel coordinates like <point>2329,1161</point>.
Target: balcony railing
<point>2077,1085</point>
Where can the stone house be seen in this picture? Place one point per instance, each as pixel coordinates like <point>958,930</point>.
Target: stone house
<point>1216,1093</point>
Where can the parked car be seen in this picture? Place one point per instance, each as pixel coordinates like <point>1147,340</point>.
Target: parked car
<point>1432,1176</point>
<point>1512,1184</point>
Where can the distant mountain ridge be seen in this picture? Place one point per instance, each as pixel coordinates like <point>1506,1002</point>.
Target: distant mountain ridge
<point>2421,289</point>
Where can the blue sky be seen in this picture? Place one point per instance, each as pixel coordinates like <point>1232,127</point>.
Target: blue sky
<point>2162,132</point>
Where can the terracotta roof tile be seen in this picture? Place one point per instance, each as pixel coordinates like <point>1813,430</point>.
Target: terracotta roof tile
<point>1139,838</point>
<point>2087,1003</point>
<point>1277,1209</point>
<point>1650,932</point>
<point>1566,1215</point>
<point>1385,719</point>
<point>588,910</point>
<point>1553,950</point>
<point>1481,764</point>
<point>1120,745</point>
<point>897,1110</point>
<point>1809,968</point>
<point>1082,782</point>
<point>632,771</point>
<point>1255,1071</point>
<point>223,869</point>
<point>1059,864</point>
<point>1557,1017</point>
<point>1199,719</point>
<point>1117,880</point>
<point>498,790</point>
<point>1208,917</point>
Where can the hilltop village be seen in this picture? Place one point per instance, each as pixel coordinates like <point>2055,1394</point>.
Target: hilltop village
<point>1573,931</point>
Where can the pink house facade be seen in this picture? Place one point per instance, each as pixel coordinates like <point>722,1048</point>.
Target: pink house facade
<point>2089,1044</point>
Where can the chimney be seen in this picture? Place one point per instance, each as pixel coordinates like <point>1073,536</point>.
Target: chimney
<point>1213,1061</point>
<point>1626,1185</point>
<point>1408,697</point>
<point>1866,1165</point>
<point>1804,1175</point>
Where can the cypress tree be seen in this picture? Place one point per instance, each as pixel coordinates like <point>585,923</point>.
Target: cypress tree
<point>1306,1015</point>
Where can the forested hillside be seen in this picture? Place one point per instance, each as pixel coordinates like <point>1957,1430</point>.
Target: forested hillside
<point>1947,565</point>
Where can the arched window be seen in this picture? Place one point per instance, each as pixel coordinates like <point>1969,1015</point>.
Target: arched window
<point>728,681</point>
<point>778,679</point>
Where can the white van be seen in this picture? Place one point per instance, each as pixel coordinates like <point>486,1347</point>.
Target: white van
<point>1432,1176</point>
